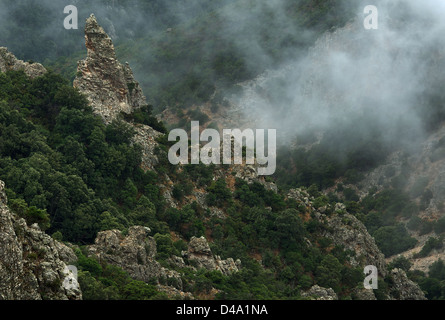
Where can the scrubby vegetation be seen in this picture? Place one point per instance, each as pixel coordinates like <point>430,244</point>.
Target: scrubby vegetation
<point>75,176</point>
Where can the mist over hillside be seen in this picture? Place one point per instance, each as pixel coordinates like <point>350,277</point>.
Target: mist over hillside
<point>359,116</point>
<point>383,77</point>
<point>181,51</point>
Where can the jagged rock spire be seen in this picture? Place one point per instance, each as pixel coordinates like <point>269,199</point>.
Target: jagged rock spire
<point>109,86</point>
<point>97,41</point>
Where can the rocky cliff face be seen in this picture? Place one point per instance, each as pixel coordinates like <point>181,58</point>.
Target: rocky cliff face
<point>404,288</point>
<point>423,176</point>
<point>134,253</point>
<point>199,252</point>
<point>32,265</point>
<point>109,86</point>
<point>347,231</point>
<point>9,62</point>
<point>319,293</point>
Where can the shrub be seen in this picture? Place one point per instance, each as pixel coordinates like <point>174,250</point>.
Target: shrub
<point>393,239</point>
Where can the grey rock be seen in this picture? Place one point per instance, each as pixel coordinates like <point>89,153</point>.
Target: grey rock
<point>70,283</point>
<point>177,261</point>
<point>406,289</point>
<point>363,294</point>
<point>134,253</point>
<point>174,293</point>
<point>200,253</point>
<point>347,231</point>
<point>30,265</point>
<point>109,86</point>
<point>319,293</point>
<point>66,253</point>
<point>146,138</point>
<point>8,62</point>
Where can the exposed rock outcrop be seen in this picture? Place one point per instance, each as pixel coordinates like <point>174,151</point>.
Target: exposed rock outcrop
<point>174,293</point>
<point>9,62</point>
<point>109,86</point>
<point>363,294</point>
<point>319,293</point>
<point>405,288</point>
<point>146,137</point>
<point>346,230</point>
<point>134,253</point>
<point>31,266</point>
<point>199,251</point>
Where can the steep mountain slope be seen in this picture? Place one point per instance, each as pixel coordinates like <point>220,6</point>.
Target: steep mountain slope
<point>192,231</point>
<point>366,108</point>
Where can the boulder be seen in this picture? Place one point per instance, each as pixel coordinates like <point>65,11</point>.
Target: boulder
<point>8,62</point>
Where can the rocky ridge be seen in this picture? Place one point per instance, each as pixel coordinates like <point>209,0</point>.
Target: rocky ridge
<point>9,62</point>
<point>33,266</point>
<point>319,293</point>
<point>136,254</point>
<point>347,231</point>
<point>423,176</point>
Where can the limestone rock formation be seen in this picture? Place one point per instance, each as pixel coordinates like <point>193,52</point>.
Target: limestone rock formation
<point>363,294</point>
<point>146,138</point>
<point>134,253</point>
<point>319,293</point>
<point>9,62</point>
<point>199,251</point>
<point>174,293</point>
<point>347,231</point>
<point>109,86</point>
<point>406,289</point>
<point>31,267</point>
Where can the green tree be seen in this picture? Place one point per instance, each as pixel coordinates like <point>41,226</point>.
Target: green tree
<point>393,239</point>
<point>289,228</point>
<point>328,273</point>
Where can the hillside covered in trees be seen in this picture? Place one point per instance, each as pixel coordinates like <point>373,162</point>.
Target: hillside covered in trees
<point>78,178</point>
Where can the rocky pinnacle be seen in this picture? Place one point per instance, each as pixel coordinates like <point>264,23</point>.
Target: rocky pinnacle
<point>109,86</point>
